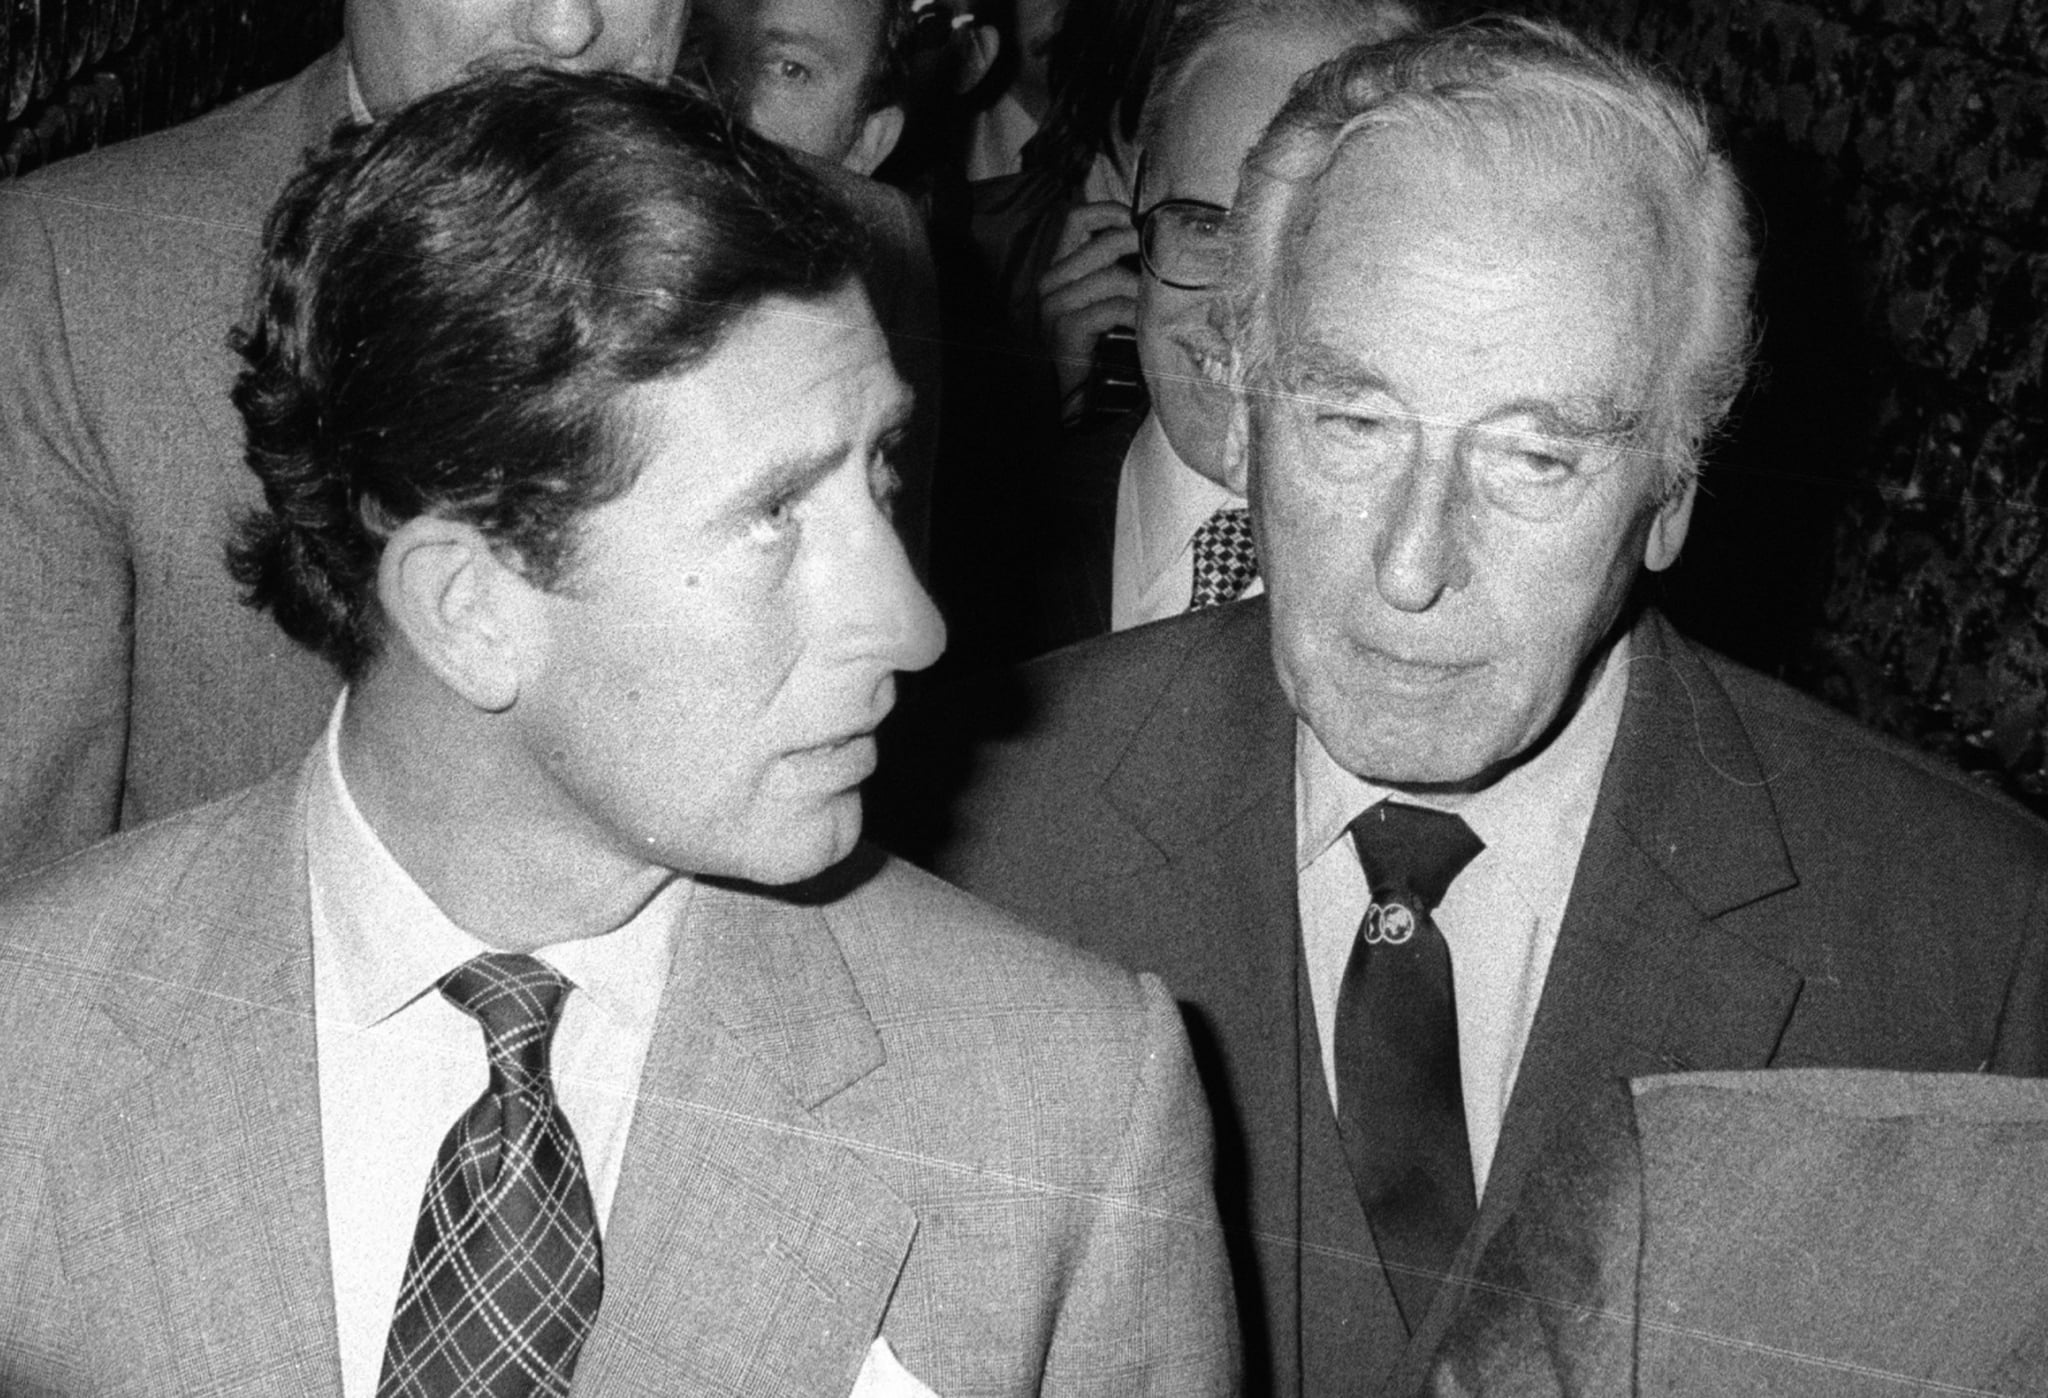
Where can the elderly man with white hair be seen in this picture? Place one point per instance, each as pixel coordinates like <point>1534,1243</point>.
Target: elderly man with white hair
<point>1452,828</point>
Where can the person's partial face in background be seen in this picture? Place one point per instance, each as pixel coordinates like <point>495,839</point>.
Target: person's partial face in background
<point>1223,103</point>
<point>1450,490</point>
<point>701,692</point>
<point>402,49</point>
<point>799,72</point>
<point>1036,23</point>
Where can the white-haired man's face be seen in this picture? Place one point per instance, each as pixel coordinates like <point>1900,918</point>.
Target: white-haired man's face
<point>402,49</point>
<point>1450,500</point>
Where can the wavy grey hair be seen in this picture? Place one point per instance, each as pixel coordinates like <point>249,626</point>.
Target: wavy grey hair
<point>1522,94</point>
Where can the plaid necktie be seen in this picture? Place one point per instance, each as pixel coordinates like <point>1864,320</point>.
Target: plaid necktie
<point>1225,560</point>
<point>506,1273</point>
<point>1400,1098</point>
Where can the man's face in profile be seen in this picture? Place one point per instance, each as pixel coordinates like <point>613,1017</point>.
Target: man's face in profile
<point>704,686</point>
<point>796,70</point>
<point>1451,505</point>
<point>404,49</point>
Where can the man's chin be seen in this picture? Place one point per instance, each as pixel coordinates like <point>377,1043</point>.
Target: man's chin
<point>828,837</point>
<point>1418,760</point>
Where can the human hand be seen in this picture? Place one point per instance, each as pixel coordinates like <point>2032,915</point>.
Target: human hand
<point>1089,288</point>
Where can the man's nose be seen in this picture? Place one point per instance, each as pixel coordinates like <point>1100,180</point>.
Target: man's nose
<point>893,618</point>
<point>1421,552</point>
<point>564,29</point>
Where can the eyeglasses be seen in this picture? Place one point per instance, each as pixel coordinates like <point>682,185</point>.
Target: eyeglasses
<point>1181,241</point>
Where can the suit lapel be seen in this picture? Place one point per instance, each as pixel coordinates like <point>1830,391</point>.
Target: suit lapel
<point>201,1222</point>
<point>749,1250</point>
<point>1644,978</point>
<point>1207,779</point>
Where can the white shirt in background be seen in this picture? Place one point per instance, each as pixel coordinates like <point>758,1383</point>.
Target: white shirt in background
<point>1160,503</point>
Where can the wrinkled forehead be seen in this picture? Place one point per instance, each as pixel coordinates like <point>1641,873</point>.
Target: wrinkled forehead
<point>1466,224</point>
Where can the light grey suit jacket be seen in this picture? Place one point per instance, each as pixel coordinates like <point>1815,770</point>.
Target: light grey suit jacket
<point>133,683</point>
<point>882,1109</point>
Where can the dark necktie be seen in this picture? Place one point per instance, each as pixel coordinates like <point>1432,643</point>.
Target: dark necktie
<point>506,1273</point>
<point>1400,1107</point>
<point>1225,559</point>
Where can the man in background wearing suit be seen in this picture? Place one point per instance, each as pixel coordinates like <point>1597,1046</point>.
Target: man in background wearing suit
<point>575,431</point>
<point>132,684</point>
<point>1451,828</point>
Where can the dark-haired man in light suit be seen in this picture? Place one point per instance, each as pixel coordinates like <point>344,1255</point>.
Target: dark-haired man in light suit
<point>1450,829</point>
<point>132,683</point>
<point>545,1029</point>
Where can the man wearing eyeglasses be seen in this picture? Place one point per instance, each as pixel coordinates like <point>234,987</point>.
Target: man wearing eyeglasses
<point>1181,540</point>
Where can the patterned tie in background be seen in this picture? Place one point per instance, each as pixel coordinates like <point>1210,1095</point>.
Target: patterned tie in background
<point>1225,559</point>
<point>506,1272</point>
<point>1400,1098</point>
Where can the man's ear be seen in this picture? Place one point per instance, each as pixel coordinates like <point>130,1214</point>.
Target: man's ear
<point>1668,527</point>
<point>879,134</point>
<point>457,605</point>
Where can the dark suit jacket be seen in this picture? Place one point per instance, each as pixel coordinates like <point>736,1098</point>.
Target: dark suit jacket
<point>881,1108</point>
<point>1814,1233</point>
<point>133,683</point>
<point>1763,884</point>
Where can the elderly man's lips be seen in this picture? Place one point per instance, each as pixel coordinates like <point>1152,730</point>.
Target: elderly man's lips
<point>1415,671</point>
<point>846,760</point>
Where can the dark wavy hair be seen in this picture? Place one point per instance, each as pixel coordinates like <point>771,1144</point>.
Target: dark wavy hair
<point>452,300</point>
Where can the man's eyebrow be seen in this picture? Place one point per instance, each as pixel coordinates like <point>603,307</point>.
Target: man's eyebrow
<point>803,467</point>
<point>897,415</point>
<point>1316,372</point>
<point>792,474</point>
<point>1595,418</point>
<point>797,39</point>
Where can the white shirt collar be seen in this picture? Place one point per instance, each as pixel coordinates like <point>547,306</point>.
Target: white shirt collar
<point>390,943</point>
<point>1169,499</point>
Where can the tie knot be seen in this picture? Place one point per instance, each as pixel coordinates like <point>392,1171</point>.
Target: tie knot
<point>1410,854</point>
<point>1226,560</point>
<point>516,999</point>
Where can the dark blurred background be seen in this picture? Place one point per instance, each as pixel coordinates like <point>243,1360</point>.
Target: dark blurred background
<point>1873,526</point>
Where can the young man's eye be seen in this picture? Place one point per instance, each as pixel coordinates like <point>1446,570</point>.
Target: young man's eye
<point>885,482</point>
<point>788,70</point>
<point>775,519</point>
